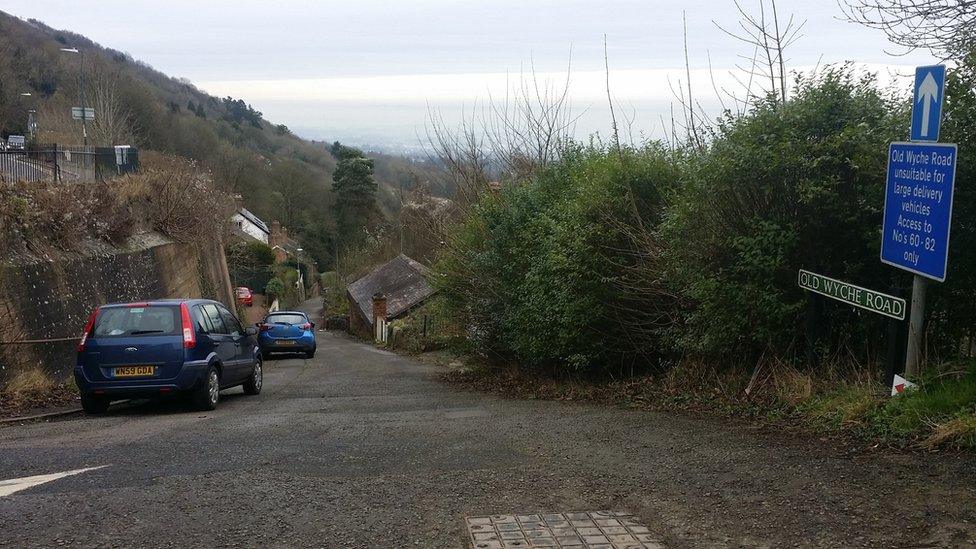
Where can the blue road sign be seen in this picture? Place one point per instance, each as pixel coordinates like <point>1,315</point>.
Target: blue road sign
<point>918,207</point>
<point>927,107</point>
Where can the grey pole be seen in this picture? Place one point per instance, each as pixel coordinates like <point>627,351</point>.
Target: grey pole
<point>81,80</point>
<point>913,356</point>
<point>84,117</point>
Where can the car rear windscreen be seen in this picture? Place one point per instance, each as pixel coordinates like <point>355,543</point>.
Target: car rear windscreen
<point>135,321</point>
<point>286,319</point>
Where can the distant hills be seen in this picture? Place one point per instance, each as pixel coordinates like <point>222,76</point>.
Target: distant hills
<point>280,175</point>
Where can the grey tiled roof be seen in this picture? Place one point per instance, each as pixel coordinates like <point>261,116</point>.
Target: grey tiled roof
<point>402,280</point>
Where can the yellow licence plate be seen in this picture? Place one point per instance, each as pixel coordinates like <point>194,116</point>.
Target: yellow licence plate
<point>134,371</point>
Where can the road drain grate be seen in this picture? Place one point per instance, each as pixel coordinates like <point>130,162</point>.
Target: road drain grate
<point>589,530</point>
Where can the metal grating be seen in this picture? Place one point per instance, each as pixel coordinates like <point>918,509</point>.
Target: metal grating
<point>582,530</point>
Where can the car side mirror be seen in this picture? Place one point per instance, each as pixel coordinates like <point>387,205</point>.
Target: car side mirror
<point>251,330</point>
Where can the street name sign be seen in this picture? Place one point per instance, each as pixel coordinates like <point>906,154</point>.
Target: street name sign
<point>918,207</point>
<point>88,113</point>
<point>927,106</point>
<point>873,301</point>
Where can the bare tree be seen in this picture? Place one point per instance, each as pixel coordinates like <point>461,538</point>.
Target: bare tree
<point>613,116</point>
<point>463,154</point>
<point>945,27</point>
<point>769,38</point>
<point>508,138</point>
<point>113,125</point>
<point>531,126</point>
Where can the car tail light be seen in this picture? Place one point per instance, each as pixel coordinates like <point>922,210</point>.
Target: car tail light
<point>88,329</point>
<point>189,335</point>
<point>307,326</point>
<point>264,327</point>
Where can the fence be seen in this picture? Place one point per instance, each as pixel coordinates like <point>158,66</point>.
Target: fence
<point>60,164</point>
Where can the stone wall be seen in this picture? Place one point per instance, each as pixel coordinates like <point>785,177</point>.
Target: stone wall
<point>50,298</point>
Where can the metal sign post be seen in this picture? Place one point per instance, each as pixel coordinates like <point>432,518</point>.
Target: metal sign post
<point>918,202</point>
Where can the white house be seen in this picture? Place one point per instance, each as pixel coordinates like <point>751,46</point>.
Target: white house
<point>250,225</point>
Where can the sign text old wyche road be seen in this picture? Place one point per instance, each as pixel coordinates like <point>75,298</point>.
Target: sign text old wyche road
<point>857,296</point>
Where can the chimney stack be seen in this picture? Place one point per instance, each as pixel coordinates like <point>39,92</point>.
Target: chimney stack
<point>379,307</point>
<point>275,237</point>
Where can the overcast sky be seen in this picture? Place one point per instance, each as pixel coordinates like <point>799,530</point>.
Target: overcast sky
<point>368,71</point>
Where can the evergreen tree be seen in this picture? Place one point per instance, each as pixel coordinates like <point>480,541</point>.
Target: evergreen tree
<point>355,194</point>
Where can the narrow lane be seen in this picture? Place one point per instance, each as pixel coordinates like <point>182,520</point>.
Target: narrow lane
<point>362,448</point>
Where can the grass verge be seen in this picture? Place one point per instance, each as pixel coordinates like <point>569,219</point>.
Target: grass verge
<point>33,389</point>
<point>940,414</point>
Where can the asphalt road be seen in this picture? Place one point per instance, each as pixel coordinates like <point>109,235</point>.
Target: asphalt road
<point>362,448</point>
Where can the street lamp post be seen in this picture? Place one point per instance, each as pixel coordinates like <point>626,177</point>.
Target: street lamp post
<point>81,79</point>
<point>301,284</point>
<point>31,121</point>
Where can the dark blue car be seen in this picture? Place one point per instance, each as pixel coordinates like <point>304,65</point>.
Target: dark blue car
<point>191,346</point>
<point>287,331</point>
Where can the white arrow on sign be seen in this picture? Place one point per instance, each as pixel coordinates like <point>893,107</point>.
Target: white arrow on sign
<point>928,92</point>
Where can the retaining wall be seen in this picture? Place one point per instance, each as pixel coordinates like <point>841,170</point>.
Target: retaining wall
<point>50,298</point>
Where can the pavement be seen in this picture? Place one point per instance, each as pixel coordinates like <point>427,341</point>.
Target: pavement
<point>359,447</point>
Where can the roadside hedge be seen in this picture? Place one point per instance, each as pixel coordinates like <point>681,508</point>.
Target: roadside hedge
<point>615,259</point>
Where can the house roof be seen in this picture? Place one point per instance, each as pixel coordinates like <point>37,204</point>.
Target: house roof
<point>402,280</point>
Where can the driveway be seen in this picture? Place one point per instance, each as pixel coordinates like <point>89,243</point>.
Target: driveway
<point>362,448</point>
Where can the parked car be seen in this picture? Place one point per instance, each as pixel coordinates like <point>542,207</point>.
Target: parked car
<point>244,296</point>
<point>287,331</point>
<point>191,346</point>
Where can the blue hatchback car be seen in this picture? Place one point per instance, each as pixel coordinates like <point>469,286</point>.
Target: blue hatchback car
<point>190,346</point>
<point>287,332</point>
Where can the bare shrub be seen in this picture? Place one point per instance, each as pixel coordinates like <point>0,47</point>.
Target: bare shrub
<point>177,198</point>
<point>509,138</point>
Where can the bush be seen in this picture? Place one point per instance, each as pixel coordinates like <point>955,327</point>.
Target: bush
<point>540,273</point>
<point>274,289</point>
<point>640,258</point>
<point>788,186</point>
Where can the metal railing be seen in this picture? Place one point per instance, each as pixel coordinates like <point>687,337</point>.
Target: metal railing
<point>60,164</point>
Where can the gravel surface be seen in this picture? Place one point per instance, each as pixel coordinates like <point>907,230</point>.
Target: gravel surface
<point>362,448</point>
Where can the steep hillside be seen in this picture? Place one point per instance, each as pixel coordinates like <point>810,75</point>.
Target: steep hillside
<point>280,175</point>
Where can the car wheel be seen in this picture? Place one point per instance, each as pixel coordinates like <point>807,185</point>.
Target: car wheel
<point>310,354</point>
<point>94,405</point>
<point>253,384</point>
<point>206,396</point>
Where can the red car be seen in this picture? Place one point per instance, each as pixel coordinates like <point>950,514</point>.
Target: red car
<point>244,296</point>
